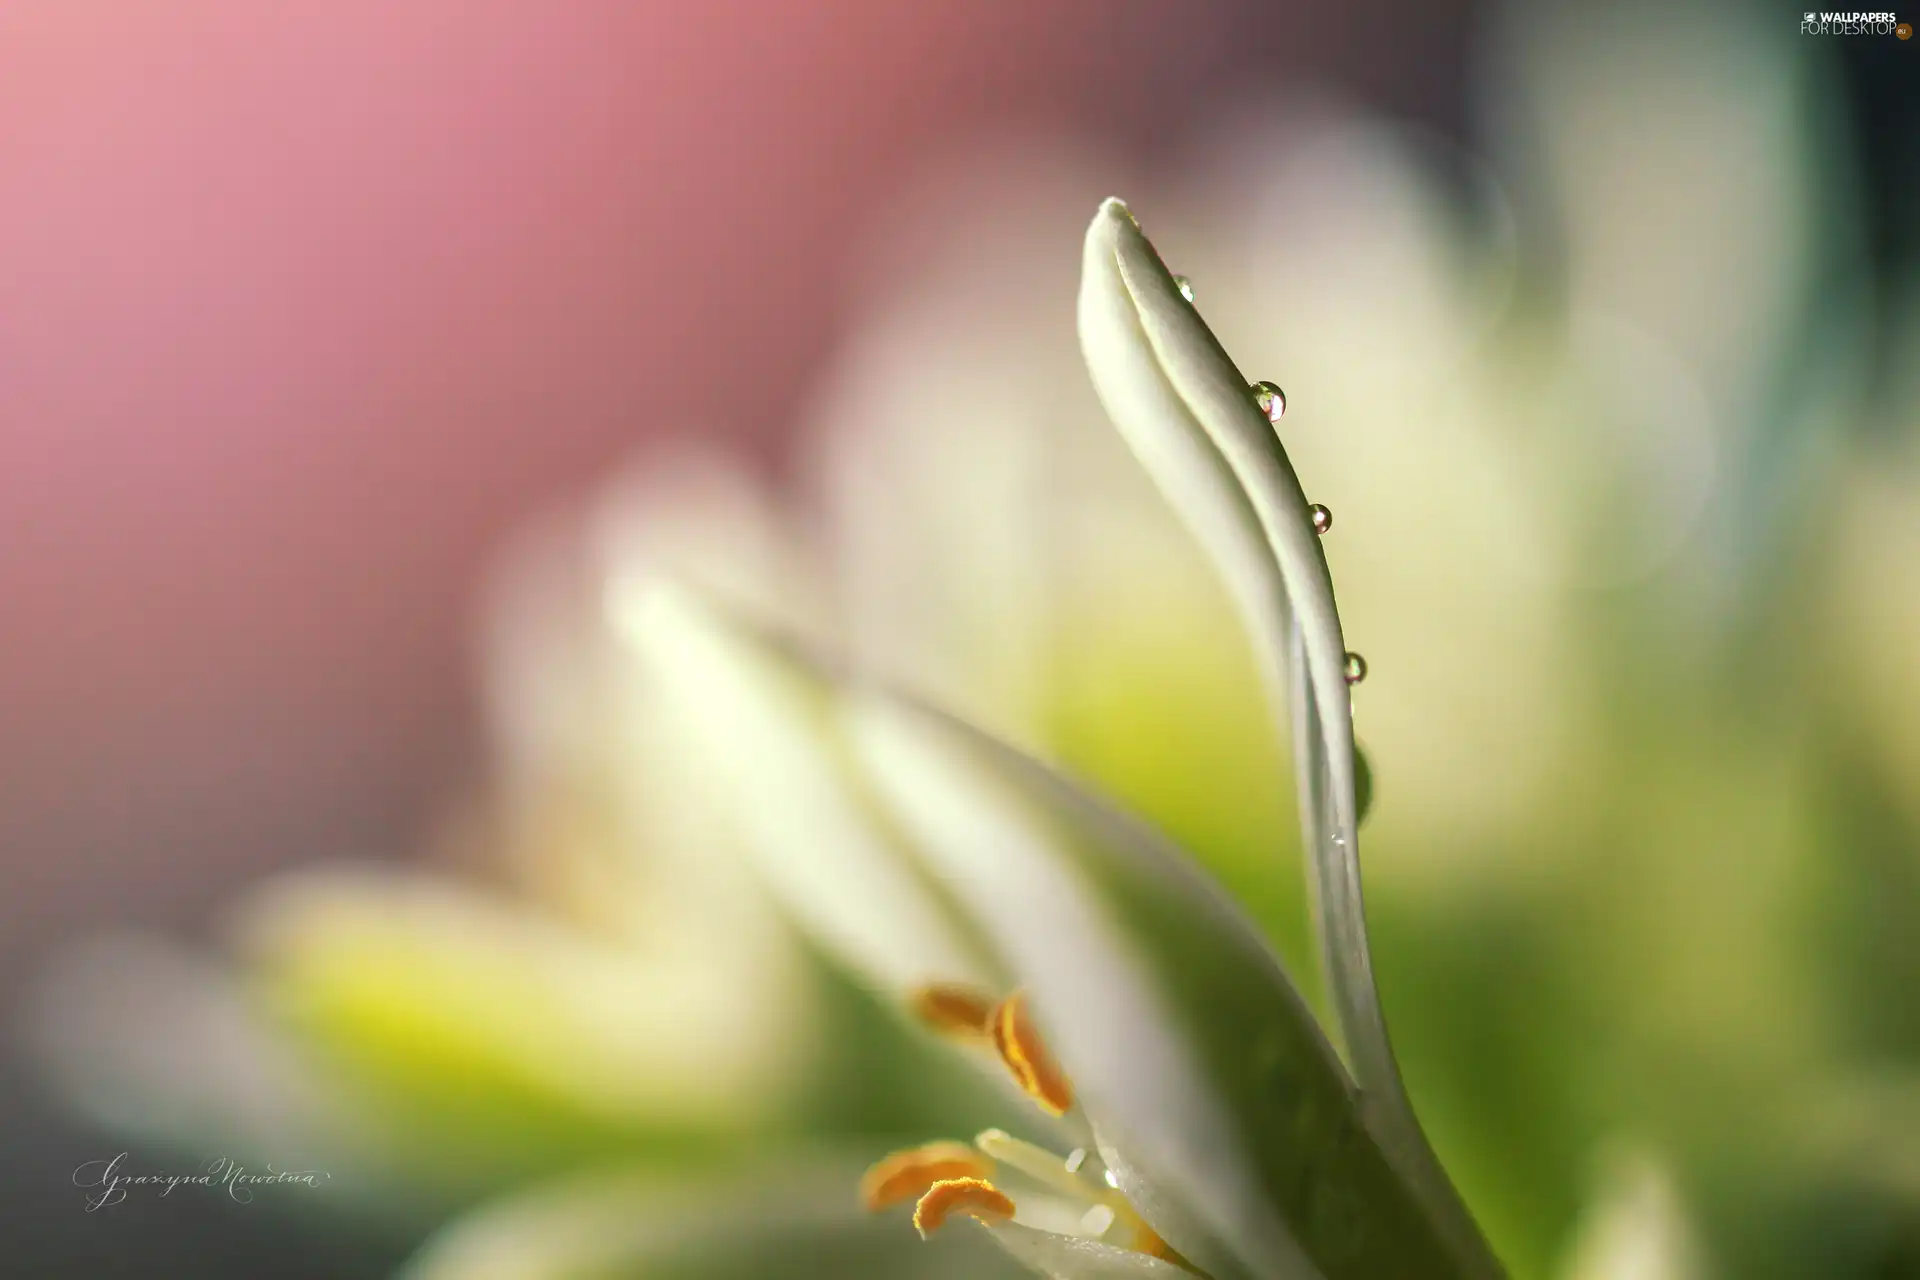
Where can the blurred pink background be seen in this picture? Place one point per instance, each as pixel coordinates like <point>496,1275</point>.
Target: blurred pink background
<point>303,306</point>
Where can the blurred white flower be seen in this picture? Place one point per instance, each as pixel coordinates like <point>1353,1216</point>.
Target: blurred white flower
<point>593,974</point>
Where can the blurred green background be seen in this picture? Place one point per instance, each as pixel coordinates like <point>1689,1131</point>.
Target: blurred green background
<point>357,355</point>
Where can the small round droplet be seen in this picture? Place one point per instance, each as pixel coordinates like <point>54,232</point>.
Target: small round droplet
<point>1186,287</point>
<point>1271,399</point>
<point>1354,668</point>
<point>1322,518</point>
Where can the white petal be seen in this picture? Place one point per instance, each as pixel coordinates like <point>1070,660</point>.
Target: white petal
<point>796,1220</point>
<point>552,667</point>
<point>1064,1257</point>
<point>1186,411</point>
<point>934,445</point>
<point>146,1037</point>
<point>767,747</point>
<point>384,966</point>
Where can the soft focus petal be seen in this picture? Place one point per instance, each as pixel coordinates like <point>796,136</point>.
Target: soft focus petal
<point>768,753</point>
<point>946,447</point>
<point>1064,1257</point>
<point>147,1038</point>
<point>486,1036</point>
<point>601,822</point>
<point>1684,172</point>
<point>1185,409</point>
<point>1687,186</point>
<point>1636,1228</point>
<point>799,1223</point>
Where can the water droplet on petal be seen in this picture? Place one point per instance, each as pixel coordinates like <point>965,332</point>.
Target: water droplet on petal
<point>1186,287</point>
<point>1354,668</point>
<point>1112,1181</point>
<point>1322,518</point>
<point>1271,399</point>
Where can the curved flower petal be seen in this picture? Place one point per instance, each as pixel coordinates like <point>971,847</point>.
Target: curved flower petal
<point>411,981</point>
<point>797,1223</point>
<point>1220,1106</point>
<point>765,739</point>
<point>1185,409</point>
<point>1061,1257</point>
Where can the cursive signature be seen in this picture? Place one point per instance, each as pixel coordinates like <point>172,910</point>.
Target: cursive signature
<point>107,1182</point>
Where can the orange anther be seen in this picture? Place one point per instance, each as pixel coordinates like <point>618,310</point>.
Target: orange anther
<point>907,1175</point>
<point>974,1196</point>
<point>1026,1055</point>
<point>953,1009</point>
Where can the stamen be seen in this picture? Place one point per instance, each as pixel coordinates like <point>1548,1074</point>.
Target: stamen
<point>1025,1054</point>
<point>908,1175</point>
<point>950,1177</point>
<point>954,1009</point>
<point>973,1196</point>
<point>1109,1206</point>
<point>1038,1163</point>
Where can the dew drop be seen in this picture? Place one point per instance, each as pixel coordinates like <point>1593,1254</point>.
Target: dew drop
<point>1354,668</point>
<point>1112,1181</point>
<point>1271,399</point>
<point>1322,518</point>
<point>1186,287</point>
